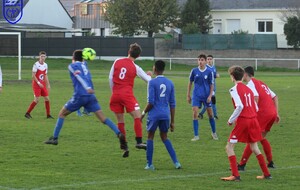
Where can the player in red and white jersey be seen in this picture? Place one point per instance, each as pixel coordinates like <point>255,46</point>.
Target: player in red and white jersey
<point>40,85</point>
<point>121,80</point>
<point>246,129</point>
<point>267,114</point>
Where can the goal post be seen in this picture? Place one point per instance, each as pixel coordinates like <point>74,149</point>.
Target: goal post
<point>19,50</point>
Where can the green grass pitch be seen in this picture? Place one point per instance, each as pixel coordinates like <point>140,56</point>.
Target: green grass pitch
<point>88,154</point>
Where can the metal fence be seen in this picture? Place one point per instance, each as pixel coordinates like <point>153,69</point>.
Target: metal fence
<point>229,41</point>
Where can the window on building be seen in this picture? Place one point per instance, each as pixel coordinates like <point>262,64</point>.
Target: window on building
<point>264,26</point>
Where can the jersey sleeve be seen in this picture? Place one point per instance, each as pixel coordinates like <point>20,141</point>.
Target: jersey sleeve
<point>46,67</point>
<point>141,73</point>
<point>273,95</point>
<point>237,104</point>
<point>252,87</point>
<point>34,68</point>
<point>192,77</point>
<point>172,100</point>
<point>110,76</point>
<point>150,93</point>
<point>78,75</point>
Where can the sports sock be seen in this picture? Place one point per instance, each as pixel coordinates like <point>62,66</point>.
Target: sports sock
<point>203,110</point>
<point>111,125</point>
<point>121,127</point>
<point>267,149</point>
<point>246,155</point>
<point>263,165</point>
<point>149,152</point>
<point>138,127</point>
<point>212,124</point>
<point>196,127</point>
<point>47,106</point>
<point>214,108</point>
<point>31,106</point>
<point>58,126</point>
<point>170,149</point>
<point>233,165</point>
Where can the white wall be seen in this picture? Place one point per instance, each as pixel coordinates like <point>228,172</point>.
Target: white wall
<point>248,21</point>
<point>49,12</point>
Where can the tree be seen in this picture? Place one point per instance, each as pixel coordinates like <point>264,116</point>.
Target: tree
<point>292,31</point>
<point>197,11</point>
<point>131,16</point>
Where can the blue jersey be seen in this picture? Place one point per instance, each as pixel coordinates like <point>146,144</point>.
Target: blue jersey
<point>202,79</point>
<point>161,95</point>
<point>81,78</point>
<point>214,70</point>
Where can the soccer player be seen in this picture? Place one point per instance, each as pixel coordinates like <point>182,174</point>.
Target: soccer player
<point>246,129</point>
<point>40,85</point>
<point>0,79</point>
<point>203,79</point>
<point>267,115</point>
<point>210,64</point>
<point>161,104</point>
<point>83,96</point>
<point>121,80</point>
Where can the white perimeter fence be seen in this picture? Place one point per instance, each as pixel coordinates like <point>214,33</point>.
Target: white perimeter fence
<point>226,62</point>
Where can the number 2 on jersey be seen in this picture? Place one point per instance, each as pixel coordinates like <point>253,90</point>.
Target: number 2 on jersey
<point>163,90</point>
<point>122,73</point>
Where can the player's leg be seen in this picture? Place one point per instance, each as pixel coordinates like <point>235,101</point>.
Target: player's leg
<point>268,150</point>
<point>211,121</point>
<point>151,128</point>
<point>245,157</point>
<point>79,112</point>
<point>136,115</point>
<point>64,112</point>
<point>45,94</point>
<point>164,126</point>
<point>235,176</point>
<point>261,161</point>
<point>195,110</point>
<point>203,109</point>
<point>37,95</point>
<point>214,107</point>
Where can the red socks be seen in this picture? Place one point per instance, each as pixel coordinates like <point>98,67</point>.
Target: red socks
<point>267,149</point>
<point>31,106</point>
<point>246,155</point>
<point>121,127</point>
<point>138,127</point>
<point>47,106</point>
<point>263,165</point>
<point>233,166</point>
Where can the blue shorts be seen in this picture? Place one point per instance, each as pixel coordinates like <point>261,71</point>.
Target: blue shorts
<point>90,103</point>
<point>197,102</point>
<point>162,124</point>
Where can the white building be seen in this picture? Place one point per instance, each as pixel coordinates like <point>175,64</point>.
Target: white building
<point>254,16</point>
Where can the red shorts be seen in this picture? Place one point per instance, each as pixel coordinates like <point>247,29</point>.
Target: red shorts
<point>246,130</point>
<point>119,102</point>
<point>37,91</point>
<point>266,121</point>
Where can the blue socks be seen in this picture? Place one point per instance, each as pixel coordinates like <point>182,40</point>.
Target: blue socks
<point>212,124</point>
<point>196,127</point>
<point>170,149</point>
<point>149,153</point>
<point>58,126</point>
<point>112,126</point>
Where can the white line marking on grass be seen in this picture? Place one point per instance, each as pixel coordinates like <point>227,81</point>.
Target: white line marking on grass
<point>77,185</point>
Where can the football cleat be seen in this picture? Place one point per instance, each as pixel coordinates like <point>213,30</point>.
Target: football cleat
<point>52,140</point>
<point>231,178</point>
<point>216,117</point>
<point>271,165</point>
<point>50,117</point>
<point>27,115</point>
<point>264,177</point>
<point>214,136</point>
<point>141,146</point>
<point>196,138</point>
<point>241,167</point>
<point>149,167</point>
<point>200,116</point>
<point>177,165</point>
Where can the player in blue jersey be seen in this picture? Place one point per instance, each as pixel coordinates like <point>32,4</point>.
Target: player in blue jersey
<point>83,96</point>
<point>161,104</point>
<point>210,64</point>
<point>203,79</point>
